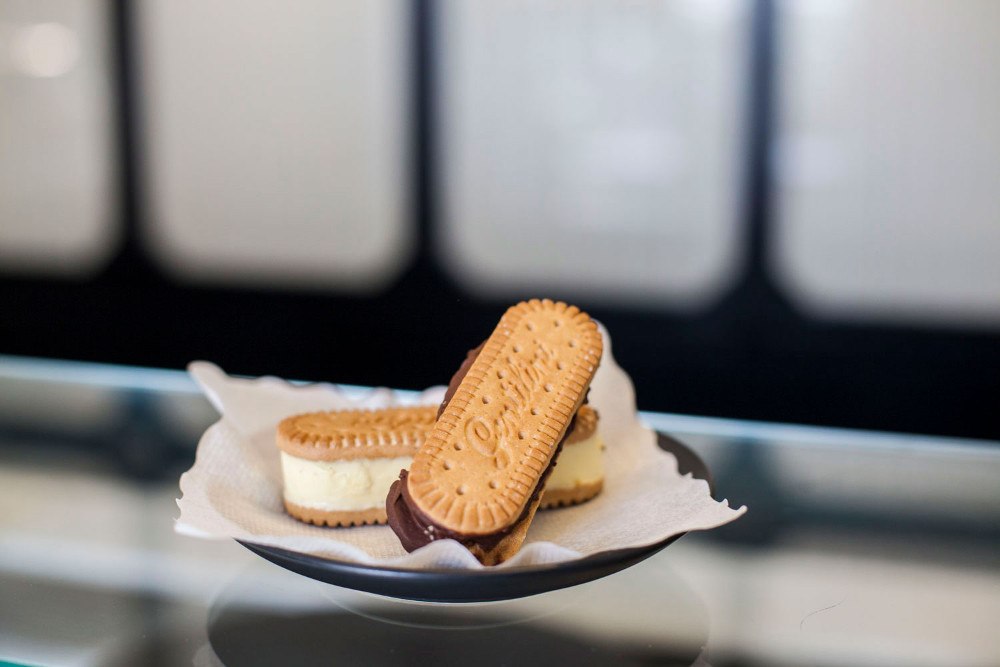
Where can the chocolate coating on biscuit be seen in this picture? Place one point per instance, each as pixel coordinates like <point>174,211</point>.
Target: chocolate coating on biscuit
<point>456,379</point>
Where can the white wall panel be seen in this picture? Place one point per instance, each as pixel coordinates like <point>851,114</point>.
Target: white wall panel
<point>275,140</point>
<point>57,176</point>
<point>592,147</point>
<point>889,159</point>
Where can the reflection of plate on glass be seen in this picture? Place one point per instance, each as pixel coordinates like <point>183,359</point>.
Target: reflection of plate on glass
<point>658,620</point>
<point>480,585</point>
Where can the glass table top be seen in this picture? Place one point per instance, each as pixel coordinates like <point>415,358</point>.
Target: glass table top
<point>858,549</point>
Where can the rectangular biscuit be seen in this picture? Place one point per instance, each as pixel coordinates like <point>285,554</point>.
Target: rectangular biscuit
<point>481,466</point>
<point>349,434</point>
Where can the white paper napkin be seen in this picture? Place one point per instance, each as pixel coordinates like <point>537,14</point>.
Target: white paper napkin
<point>234,488</point>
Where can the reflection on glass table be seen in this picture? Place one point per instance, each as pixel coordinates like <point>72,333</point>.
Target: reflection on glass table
<point>859,548</point>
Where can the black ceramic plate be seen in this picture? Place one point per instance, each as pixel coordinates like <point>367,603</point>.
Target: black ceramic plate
<point>479,585</point>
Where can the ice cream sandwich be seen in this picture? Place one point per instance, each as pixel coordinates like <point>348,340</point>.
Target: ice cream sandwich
<point>479,476</point>
<point>579,473</point>
<point>338,466</point>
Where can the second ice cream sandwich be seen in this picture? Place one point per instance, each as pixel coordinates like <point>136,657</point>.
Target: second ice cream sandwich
<point>338,466</point>
<point>579,473</point>
<point>479,476</point>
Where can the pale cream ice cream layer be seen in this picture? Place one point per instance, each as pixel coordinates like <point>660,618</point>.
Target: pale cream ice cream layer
<point>338,486</point>
<point>359,484</point>
<point>579,463</point>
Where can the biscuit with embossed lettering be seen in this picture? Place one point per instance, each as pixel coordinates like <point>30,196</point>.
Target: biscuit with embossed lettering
<point>338,466</point>
<point>478,478</point>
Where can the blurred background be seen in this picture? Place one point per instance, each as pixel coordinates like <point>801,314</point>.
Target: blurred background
<point>782,210</point>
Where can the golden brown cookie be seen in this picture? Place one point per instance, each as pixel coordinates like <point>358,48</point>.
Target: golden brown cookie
<point>349,434</point>
<point>584,426</point>
<point>581,493</point>
<point>478,477</point>
<point>335,519</point>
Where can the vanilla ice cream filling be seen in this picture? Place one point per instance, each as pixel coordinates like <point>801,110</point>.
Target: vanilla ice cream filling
<point>361,484</point>
<point>579,463</point>
<point>337,486</point>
